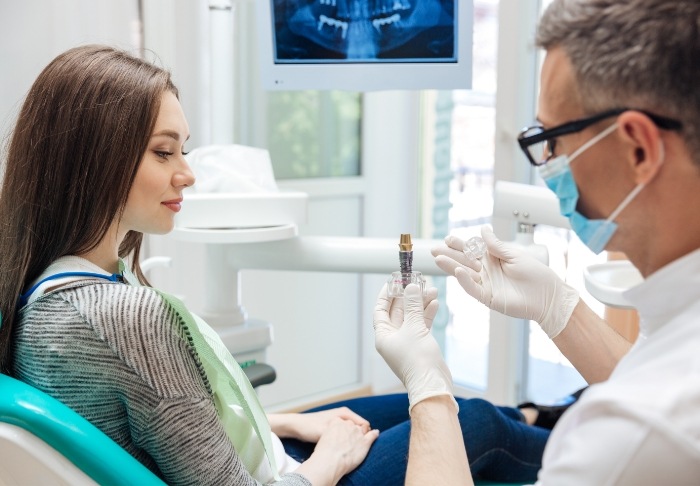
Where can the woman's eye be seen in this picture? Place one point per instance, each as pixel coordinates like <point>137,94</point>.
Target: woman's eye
<point>162,154</point>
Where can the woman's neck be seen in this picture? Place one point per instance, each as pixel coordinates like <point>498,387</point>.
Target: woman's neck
<point>106,254</point>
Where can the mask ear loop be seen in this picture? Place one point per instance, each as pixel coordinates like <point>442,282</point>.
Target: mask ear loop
<point>593,140</point>
<point>626,201</point>
<point>662,152</point>
<point>636,190</point>
<point>600,231</point>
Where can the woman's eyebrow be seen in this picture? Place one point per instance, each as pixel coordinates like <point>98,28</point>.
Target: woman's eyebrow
<point>169,133</point>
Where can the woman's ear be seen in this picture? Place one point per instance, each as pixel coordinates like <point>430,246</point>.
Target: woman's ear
<point>644,145</point>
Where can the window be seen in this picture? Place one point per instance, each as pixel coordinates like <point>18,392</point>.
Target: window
<point>471,195</point>
<point>310,134</point>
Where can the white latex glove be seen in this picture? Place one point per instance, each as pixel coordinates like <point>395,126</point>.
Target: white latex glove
<point>403,338</point>
<point>511,281</point>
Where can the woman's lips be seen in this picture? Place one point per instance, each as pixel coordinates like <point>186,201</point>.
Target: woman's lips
<point>174,205</point>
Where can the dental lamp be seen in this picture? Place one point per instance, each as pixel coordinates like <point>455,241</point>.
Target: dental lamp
<point>528,206</point>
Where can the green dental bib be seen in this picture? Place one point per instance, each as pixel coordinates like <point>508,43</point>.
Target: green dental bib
<point>236,402</point>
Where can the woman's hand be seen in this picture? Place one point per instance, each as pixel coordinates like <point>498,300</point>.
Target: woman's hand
<point>309,427</point>
<point>341,447</point>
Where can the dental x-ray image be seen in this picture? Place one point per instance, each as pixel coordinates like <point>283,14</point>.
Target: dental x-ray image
<point>342,31</point>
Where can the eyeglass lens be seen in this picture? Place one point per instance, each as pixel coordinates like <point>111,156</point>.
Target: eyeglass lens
<point>540,152</point>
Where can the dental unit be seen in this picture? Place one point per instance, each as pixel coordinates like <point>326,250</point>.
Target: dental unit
<point>233,245</point>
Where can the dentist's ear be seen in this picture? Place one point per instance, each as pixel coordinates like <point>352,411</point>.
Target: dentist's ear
<point>645,145</point>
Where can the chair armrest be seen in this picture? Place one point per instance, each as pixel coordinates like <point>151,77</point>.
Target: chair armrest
<point>260,374</point>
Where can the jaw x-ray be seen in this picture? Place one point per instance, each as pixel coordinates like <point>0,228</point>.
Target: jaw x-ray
<point>330,31</point>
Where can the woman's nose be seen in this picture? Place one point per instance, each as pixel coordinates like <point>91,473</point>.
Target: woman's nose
<point>185,177</point>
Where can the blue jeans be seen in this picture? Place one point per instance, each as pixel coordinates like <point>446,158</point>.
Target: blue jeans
<point>500,445</point>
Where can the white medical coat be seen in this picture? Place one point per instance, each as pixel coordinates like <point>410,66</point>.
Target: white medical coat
<point>641,426</point>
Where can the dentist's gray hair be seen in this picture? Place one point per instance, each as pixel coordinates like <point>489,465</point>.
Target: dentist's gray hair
<point>637,53</point>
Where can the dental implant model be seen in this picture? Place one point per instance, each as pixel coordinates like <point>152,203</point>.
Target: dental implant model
<point>475,247</point>
<point>399,280</point>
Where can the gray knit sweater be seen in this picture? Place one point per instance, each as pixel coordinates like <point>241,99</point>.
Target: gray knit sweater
<point>119,356</point>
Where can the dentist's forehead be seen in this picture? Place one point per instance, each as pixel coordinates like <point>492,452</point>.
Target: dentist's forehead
<point>559,99</point>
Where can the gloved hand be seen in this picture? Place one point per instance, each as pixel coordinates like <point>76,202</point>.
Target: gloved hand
<point>403,338</point>
<point>511,281</point>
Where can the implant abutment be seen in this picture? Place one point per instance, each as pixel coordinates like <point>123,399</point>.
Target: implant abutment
<point>406,254</point>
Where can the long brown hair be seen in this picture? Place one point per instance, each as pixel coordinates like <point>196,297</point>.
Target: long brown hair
<point>71,160</point>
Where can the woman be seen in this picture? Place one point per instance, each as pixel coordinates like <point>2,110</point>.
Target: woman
<point>95,161</point>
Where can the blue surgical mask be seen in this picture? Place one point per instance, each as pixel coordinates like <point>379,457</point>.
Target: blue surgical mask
<point>595,233</point>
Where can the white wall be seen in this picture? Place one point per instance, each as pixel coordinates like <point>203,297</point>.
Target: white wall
<point>32,32</point>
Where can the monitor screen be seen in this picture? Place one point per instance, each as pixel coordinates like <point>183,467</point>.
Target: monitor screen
<point>365,45</point>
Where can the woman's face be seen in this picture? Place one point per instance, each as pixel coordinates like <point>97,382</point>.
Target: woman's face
<point>156,193</point>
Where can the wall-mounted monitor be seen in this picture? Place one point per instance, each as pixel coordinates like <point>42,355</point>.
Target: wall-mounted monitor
<point>365,45</point>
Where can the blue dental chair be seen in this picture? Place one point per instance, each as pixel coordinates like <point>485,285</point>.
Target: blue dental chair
<point>42,441</point>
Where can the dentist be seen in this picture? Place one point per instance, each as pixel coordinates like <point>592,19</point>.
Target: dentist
<point>618,142</point>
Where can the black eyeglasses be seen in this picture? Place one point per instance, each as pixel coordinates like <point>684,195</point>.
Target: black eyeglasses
<point>538,144</point>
